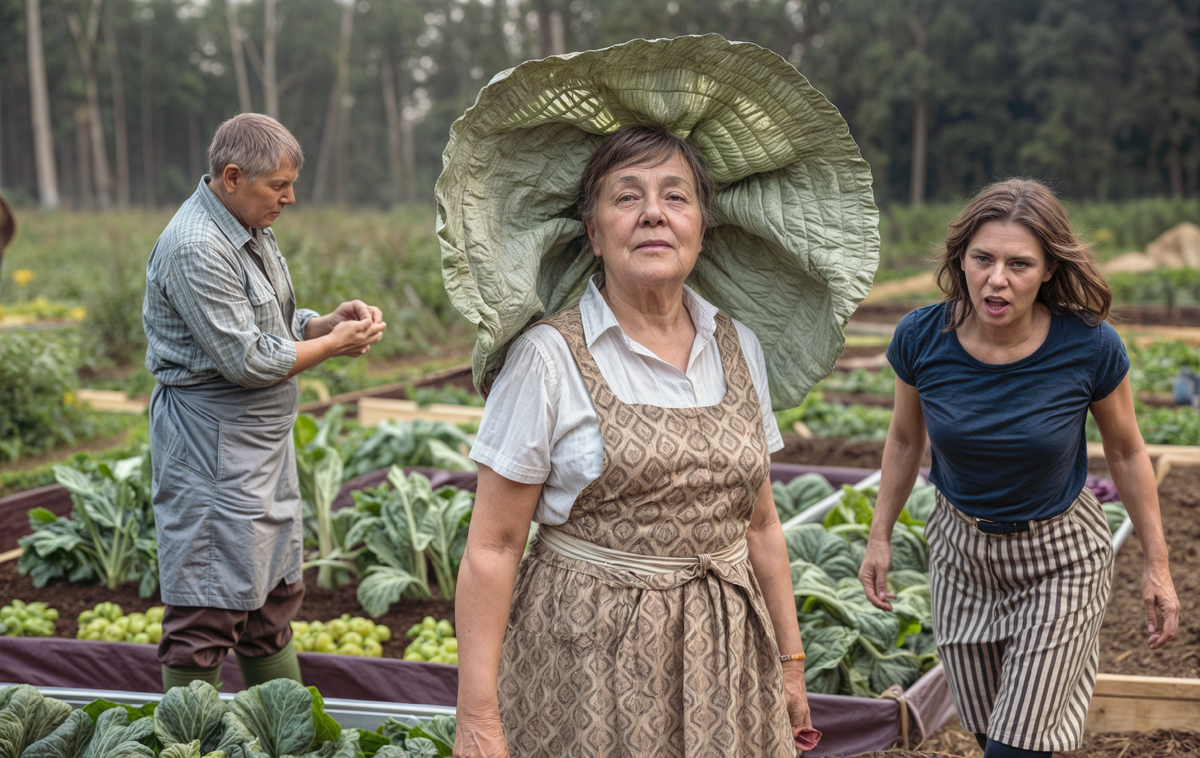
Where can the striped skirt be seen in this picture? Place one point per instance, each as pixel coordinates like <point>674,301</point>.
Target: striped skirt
<point>1017,620</point>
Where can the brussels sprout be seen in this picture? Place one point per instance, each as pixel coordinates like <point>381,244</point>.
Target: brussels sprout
<point>141,639</point>
<point>154,632</point>
<point>351,638</point>
<point>429,622</point>
<point>350,649</point>
<point>444,629</point>
<point>450,644</point>
<point>372,648</point>
<point>113,633</point>
<point>381,633</point>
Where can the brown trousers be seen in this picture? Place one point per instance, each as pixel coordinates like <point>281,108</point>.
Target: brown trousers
<point>202,637</point>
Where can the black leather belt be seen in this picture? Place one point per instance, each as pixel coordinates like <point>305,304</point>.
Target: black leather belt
<point>1000,527</point>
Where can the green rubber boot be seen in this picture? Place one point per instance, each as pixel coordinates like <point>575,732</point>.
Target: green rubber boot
<point>281,665</point>
<point>182,676</point>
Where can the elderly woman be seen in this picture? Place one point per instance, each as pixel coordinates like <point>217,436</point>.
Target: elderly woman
<point>604,217</point>
<point>635,427</point>
<point>1002,374</point>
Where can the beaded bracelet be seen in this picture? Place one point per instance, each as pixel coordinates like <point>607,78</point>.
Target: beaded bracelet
<point>792,657</point>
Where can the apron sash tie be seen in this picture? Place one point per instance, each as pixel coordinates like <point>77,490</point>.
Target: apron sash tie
<point>569,546</point>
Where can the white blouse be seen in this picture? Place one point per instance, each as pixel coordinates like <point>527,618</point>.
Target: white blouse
<point>540,426</point>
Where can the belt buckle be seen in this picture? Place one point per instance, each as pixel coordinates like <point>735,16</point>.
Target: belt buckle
<point>987,526</point>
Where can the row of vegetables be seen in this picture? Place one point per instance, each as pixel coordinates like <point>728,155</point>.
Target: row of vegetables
<point>387,540</point>
<point>272,720</point>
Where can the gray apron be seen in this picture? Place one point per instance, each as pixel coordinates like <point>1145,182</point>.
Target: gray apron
<point>225,492</point>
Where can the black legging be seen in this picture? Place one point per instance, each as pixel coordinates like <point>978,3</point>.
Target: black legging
<point>993,749</point>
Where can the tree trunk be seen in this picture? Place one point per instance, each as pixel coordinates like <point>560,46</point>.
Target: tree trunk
<point>83,159</point>
<point>920,136</point>
<point>39,94</point>
<point>119,125</point>
<point>195,147</point>
<point>150,195</point>
<point>270,86</point>
<point>245,105</point>
<point>331,141</point>
<point>1175,170</point>
<point>391,111</point>
<point>920,144</point>
<point>408,148</point>
<point>85,42</point>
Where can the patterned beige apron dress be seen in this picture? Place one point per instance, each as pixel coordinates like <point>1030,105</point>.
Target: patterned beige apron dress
<point>600,661</point>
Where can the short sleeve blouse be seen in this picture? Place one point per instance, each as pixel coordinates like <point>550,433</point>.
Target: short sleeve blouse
<point>1008,440</point>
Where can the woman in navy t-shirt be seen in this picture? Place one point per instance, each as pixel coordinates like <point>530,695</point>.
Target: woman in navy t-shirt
<point>1001,375</point>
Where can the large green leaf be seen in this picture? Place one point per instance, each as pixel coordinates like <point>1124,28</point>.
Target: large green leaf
<point>279,714</point>
<point>191,713</point>
<point>445,457</point>
<point>813,544</point>
<point>384,585</point>
<point>326,729</point>
<point>449,510</point>
<point>909,549</point>
<point>27,718</point>
<point>115,736</point>
<point>896,667</point>
<point>825,648</point>
<point>67,741</point>
<point>920,504</point>
<point>440,730</point>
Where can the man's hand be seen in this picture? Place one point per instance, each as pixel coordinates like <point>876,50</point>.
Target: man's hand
<point>355,337</point>
<point>356,310</point>
<point>351,310</point>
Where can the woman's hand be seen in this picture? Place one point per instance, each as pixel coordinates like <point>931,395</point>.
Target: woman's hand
<point>480,737</point>
<point>796,695</point>
<point>873,572</point>
<point>1162,605</point>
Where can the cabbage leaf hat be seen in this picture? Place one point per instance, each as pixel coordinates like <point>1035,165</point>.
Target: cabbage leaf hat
<point>795,242</point>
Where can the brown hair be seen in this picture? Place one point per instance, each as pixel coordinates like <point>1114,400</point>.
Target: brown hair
<point>254,143</point>
<point>638,145</point>
<point>1077,286</point>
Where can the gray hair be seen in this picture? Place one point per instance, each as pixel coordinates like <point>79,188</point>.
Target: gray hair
<point>254,143</point>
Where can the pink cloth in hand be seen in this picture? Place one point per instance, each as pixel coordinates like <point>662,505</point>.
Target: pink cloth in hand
<point>807,739</point>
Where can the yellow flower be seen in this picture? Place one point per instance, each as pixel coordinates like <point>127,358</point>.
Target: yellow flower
<point>23,276</point>
<point>1103,236</point>
<point>69,398</point>
<point>78,313</point>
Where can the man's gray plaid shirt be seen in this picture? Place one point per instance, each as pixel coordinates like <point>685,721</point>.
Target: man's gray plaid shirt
<point>211,310</point>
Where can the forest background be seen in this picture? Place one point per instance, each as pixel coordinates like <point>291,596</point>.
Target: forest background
<point>1099,97</point>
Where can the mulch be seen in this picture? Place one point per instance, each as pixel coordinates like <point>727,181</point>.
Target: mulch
<point>953,740</point>
<point>319,605</point>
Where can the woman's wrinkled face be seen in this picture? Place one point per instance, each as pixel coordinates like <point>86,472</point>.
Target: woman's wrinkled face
<point>648,225</point>
<point>1004,266</point>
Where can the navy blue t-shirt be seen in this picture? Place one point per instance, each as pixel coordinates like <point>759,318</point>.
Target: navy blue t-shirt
<point>1008,439</point>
